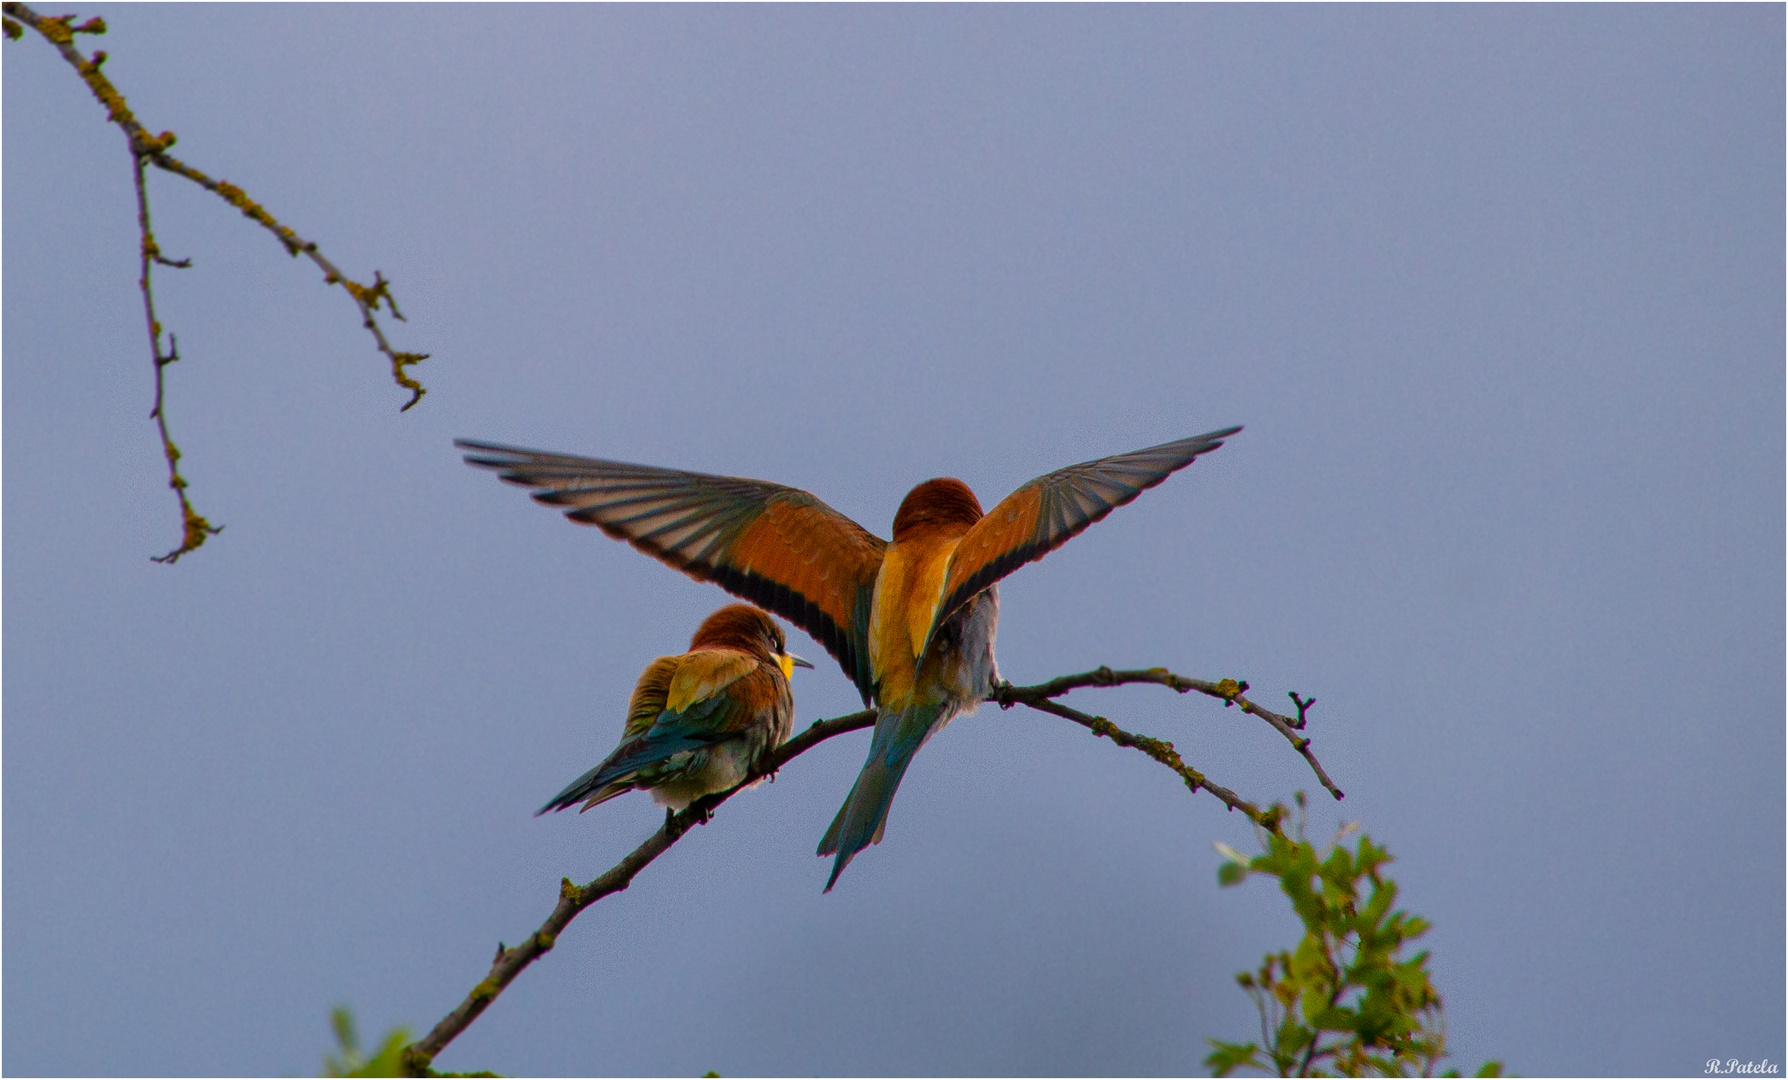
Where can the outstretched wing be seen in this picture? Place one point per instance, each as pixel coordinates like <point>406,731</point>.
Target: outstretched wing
<point>778,547</point>
<point>1041,516</point>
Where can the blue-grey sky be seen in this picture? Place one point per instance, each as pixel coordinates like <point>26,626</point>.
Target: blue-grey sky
<point>1498,293</point>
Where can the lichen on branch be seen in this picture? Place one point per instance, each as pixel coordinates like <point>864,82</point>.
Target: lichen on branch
<point>152,149</point>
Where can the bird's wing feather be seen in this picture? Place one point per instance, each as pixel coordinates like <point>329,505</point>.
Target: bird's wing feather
<point>712,719</point>
<point>1043,514</point>
<point>778,547</point>
<point>702,674</point>
<point>650,695</point>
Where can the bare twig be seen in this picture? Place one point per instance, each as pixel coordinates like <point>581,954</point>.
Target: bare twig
<point>1157,749</point>
<point>573,898</point>
<point>1228,691</point>
<point>59,30</point>
<point>194,528</point>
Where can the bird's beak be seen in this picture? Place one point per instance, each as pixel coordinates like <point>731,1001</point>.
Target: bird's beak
<point>796,661</point>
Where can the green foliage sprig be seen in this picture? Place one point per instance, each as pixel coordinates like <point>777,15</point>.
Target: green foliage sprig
<point>350,1060</point>
<point>1346,1001</point>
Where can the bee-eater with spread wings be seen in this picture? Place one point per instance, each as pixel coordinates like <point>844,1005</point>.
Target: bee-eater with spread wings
<point>700,722</point>
<point>912,621</point>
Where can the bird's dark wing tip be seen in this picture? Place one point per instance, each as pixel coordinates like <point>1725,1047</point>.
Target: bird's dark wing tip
<point>1210,440</point>
<point>493,455</point>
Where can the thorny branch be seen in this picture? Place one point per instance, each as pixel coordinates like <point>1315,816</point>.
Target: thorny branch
<point>573,898</point>
<point>1228,691</point>
<point>147,149</point>
<point>194,528</point>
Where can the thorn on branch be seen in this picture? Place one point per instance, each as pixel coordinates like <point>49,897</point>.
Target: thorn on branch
<point>178,264</point>
<point>399,361</point>
<point>196,527</point>
<point>382,288</point>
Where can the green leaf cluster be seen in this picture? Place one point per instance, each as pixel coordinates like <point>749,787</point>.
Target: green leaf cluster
<point>387,1060</point>
<point>1346,1001</point>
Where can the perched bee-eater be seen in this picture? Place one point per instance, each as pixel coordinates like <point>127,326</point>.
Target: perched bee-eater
<point>912,621</point>
<point>700,722</point>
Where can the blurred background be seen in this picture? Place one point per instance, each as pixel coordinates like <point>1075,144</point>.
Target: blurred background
<point>1498,293</point>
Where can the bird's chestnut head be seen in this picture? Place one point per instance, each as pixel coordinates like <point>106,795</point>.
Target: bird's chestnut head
<point>745,628</point>
<point>942,505</point>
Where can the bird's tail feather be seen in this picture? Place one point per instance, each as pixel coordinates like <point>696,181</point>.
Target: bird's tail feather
<point>588,786</point>
<point>864,816</point>
<point>616,775</point>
